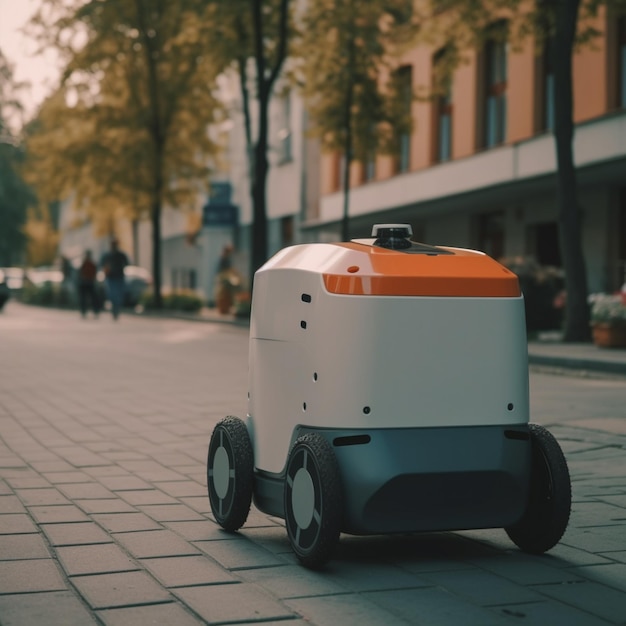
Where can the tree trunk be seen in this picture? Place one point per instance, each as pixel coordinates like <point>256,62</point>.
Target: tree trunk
<point>155,127</point>
<point>156,251</point>
<point>345,221</point>
<point>265,82</point>
<point>259,184</point>
<point>577,310</point>
<point>260,165</point>
<point>135,228</point>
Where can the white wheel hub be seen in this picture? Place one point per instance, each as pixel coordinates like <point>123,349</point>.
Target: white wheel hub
<point>303,498</point>
<point>221,472</point>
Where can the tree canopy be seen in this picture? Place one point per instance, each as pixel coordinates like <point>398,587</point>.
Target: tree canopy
<point>349,50</point>
<point>126,133</point>
<point>15,195</point>
<point>252,38</point>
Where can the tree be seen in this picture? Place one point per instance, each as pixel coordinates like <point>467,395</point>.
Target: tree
<point>565,22</point>
<point>576,310</point>
<point>15,195</point>
<point>349,51</point>
<point>251,37</point>
<point>127,131</point>
<point>42,237</point>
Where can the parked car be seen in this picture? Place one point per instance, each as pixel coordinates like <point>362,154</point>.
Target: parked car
<point>48,286</point>
<point>5,292</point>
<point>14,278</point>
<point>137,281</point>
<point>40,276</point>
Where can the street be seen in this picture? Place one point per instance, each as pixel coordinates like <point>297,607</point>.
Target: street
<point>104,517</point>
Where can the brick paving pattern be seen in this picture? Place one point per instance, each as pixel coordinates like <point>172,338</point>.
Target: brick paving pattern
<point>104,517</point>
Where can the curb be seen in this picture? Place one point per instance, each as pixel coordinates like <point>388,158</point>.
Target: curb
<point>594,365</point>
<point>190,317</point>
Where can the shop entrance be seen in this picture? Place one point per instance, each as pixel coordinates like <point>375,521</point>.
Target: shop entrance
<point>543,243</point>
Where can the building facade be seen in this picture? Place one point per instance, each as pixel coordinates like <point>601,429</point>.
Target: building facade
<point>478,169</point>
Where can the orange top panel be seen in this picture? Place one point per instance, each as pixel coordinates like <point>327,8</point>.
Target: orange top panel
<point>376,271</point>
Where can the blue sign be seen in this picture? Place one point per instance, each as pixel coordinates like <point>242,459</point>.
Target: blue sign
<point>220,193</point>
<point>219,210</point>
<point>220,215</point>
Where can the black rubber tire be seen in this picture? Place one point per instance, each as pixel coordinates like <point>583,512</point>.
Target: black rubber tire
<point>230,482</point>
<point>314,522</point>
<point>550,498</point>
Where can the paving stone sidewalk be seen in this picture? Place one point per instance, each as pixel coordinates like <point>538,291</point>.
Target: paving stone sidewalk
<point>104,517</point>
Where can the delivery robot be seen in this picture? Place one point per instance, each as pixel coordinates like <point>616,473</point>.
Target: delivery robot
<point>388,393</point>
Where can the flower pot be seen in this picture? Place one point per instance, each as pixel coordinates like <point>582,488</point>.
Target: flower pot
<point>609,335</point>
<point>224,301</point>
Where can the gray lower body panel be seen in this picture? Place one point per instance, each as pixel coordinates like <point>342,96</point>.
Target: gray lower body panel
<point>422,479</point>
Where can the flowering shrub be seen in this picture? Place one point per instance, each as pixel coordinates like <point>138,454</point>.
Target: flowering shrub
<point>186,301</point>
<point>543,289</point>
<point>607,308</point>
<point>61,295</point>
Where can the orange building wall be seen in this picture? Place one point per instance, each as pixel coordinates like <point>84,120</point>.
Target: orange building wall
<point>464,109</point>
<point>590,100</point>
<point>328,173</point>
<point>356,174</point>
<point>421,142</point>
<point>520,93</point>
<point>385,167</point>
<point>590,76</point>
<point>420,60</point>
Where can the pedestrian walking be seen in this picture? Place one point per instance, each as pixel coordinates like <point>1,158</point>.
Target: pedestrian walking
<point>226,261</point>
<point>113,264</point>
<point>87,289</point>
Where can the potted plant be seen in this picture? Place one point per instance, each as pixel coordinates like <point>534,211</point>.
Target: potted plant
<point>608,321</point>
<point>243,304</point>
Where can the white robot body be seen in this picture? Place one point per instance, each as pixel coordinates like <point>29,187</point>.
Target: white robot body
<point>328,360</point>
<point>388,393</point>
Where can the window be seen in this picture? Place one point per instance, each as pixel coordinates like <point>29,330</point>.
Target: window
<point>616,59</point>
<point>369,168</point>
<point>442,127</point>
<point>284,129</point>
<point>287,230</point>
<point>369,165</point>
<point>491,234</point>
<point>542,243</point>
<point>184,278</point>
<point>545,87</point>
<point>621,238</point>
<point>621,61</point>
<point>496,52</point>
<point>335,170</point>
<point>193,279</point>
<point>404,78</point>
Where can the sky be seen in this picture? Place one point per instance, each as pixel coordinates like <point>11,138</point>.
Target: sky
<point>40,70</point>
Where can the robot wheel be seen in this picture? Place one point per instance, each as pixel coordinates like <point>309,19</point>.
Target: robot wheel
<point>313,500</point>
<point>550,498</point>
<point>230,467</point>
